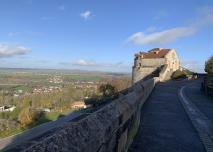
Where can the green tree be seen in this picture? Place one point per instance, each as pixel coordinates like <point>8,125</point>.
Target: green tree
<point>107,90</point>
<point>209,66</point>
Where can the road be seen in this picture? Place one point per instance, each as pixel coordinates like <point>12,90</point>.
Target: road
<point>33,133</point>
<point>165,124</point>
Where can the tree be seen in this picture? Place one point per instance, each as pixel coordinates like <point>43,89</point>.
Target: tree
<point>107,90</point>
<point>28,116</point>
<point>209,66</point>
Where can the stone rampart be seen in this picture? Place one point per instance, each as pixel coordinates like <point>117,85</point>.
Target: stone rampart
<point>109,129</point>
<point>141,73</point>
<point>165,73</point>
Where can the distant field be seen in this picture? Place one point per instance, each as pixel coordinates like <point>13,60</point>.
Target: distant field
<point>82,77</point>
<point>27,79</point>
<point>30,76</point>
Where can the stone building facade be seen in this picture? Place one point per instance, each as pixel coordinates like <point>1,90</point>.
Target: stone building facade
<point>145,63</point>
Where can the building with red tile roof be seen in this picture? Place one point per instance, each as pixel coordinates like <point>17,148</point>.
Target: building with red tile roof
<point>146,63</point>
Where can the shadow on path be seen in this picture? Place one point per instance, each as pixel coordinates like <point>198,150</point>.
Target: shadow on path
<point>165,126</point>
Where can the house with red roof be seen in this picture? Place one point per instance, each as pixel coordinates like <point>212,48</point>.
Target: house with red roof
<point>146,63</point>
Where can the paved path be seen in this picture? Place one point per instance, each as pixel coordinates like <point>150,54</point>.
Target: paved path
<point>165,126</point>
<point>28,135</point>
<point>200,121</point>
<point>203,102</point>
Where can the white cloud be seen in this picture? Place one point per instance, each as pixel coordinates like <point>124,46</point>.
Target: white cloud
<point>162,37</point>
<point>86,15</point>
<point>8,50</point>
<point>85,63</point>
<point>96,66</point>
<point>61,7</point>
<point>89,63</point>
<point>172,34</point>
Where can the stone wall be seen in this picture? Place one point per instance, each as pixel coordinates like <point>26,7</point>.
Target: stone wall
<point>150,62</point>
<point>165,73</point>
<point>172,60</point>
<point>143,68</point>
<point>138,73</point>
<point>109,129</point>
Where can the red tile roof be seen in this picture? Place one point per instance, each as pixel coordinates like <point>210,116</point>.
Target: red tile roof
<point>154,53</point>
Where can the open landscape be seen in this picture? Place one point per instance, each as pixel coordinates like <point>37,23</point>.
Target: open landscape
<point>30,97</point>
<point>106,76</point>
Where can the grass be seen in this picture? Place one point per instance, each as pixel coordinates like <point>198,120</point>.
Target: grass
<point>51,116</point>
<point>7,133</point>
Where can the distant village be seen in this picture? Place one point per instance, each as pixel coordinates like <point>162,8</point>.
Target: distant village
<point>57,86</point>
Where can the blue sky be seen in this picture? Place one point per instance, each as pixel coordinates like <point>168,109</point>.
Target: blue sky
<point>102,35</point>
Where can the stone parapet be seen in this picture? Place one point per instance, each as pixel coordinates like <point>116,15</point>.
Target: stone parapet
<point>109,129</point>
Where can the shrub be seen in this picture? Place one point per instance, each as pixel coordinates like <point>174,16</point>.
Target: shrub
<point>107,90</point>
<point>181,74</point>
<point>178,74</point>
<point>28,116</point>
<point>209,66</point>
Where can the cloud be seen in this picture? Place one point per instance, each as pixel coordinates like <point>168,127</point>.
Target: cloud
<point>95,64</point>
<point>85,63</point>
<point>172,34</point>
<point>89,63</point>
<point>86,15</point>
<point>162,37</point>
<point>61,7</point>
<point>8,50</point>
